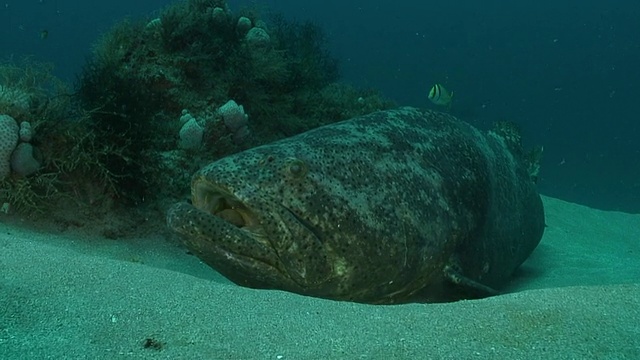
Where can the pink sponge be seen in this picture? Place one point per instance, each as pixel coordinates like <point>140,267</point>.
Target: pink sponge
<point>9,133</point>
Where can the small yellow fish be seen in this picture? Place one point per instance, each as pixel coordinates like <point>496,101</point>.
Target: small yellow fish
<point>440,96</point>
<point>44,34</point>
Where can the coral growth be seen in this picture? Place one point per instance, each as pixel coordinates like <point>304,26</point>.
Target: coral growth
<point>117,139</point>
<point>49,153</point>
<point>199,55</point>
<point>14,100</point>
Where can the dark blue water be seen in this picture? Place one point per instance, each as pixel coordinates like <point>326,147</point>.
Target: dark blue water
<point>566,71</point>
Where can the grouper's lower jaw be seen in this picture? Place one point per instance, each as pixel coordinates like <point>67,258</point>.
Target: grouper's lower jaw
<point>235,252</point>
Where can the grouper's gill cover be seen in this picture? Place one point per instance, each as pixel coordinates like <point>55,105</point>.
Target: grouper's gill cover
<point>374,209</point>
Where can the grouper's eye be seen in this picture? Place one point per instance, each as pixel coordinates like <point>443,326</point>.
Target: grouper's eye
<point>296,168</point>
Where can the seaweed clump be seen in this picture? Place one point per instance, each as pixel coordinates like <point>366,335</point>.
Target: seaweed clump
<point>69,171</point>
<point>146,75</point>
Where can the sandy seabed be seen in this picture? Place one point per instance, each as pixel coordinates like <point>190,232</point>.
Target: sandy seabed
<point>63,296</point>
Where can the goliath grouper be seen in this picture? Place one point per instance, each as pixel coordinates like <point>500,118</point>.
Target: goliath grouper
<point>395,206</point>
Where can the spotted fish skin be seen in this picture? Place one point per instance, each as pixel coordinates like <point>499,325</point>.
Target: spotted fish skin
<point>394,206</point>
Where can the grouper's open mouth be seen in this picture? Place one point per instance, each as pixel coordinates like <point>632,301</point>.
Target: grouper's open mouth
<point>251,240</point>
<point>227,234</point>
<point>217,201</point>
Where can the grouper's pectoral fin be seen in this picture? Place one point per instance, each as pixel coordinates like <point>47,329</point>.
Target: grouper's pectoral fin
<point>468,288</point>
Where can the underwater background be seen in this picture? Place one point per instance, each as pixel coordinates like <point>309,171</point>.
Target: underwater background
<point>566,71</point>
<point>94,179</point>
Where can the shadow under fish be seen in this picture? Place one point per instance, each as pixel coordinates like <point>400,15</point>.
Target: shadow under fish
<point>395,206</point>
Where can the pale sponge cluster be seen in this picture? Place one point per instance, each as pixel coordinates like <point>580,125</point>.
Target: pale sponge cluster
<point>235,120</point>
<point>192,130</point>
<point>256,37</point>
<point>22,161</point>
<point>16,153</point>
<point>9,135</point>
<point>190,133</point>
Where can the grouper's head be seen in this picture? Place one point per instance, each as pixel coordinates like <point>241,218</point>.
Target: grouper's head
<point>249,219</point>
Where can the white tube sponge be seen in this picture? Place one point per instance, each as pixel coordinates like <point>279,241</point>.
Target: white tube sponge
<point>258,38</point>
<point>233,115</point>
<point>191,135</point>
<point>22,161</point>
<point>243,25</point>
<point>26,133</point>
<point>9,133</point>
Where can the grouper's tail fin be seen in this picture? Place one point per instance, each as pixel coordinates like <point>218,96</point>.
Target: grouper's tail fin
<point>510,132</point>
